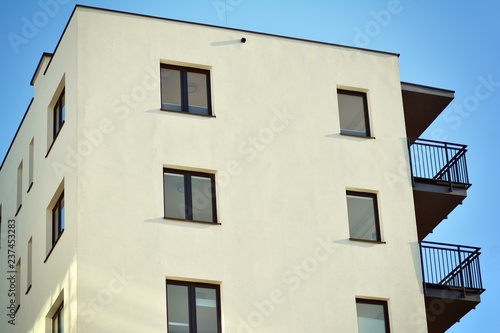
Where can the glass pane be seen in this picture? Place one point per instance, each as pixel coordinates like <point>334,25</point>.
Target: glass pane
<point>62,109</point>
<point>206,310</point>
<point>61,320</point>
<point>352,114</point>
<point>61,215</point>
<point>361,216</point>
<point>55,325</point>
<point>174,195</point>
<point>202,198</point>
<point>171,89</point>
<point>177,309</point>
<point>371,318</point>
<point>55,224</point>
<point>197,93</point>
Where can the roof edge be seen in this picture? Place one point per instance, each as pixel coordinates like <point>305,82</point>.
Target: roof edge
<point>235,29</point>
<point>413,87</point>
<point>38,67</point>
<point>15,135</point>
<point>77,6</point>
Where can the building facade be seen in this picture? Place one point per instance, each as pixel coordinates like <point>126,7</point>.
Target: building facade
<point>171,176</point>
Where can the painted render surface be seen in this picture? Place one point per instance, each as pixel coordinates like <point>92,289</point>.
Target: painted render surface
<point>281,252</point>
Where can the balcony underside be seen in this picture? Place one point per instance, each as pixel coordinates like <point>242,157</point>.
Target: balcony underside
<point>445,306</point>
<point>422,105</point>
<point>434,201</point>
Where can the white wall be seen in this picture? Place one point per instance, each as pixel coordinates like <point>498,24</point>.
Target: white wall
<point>284,199</point>
<point>282,171</point>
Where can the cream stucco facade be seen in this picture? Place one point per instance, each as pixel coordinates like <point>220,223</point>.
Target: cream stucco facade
<point>280,250</point>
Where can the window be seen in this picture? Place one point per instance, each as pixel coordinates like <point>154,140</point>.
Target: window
<point>58,320</point>
<point>189,195</point>
<point>193,307</point>
<point>353,111</point>
<point>58,219</point>
<point>363,216</point>
<point>30,164</point>
<point>18,284</point>
<point>30,263</point>
<point>59,114</point>
<point>1,233</point>
<point>372,316</point>
<point>19,186</point>
<point>185,89</point>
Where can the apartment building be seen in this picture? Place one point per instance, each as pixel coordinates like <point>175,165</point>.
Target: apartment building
<point>179,177</point>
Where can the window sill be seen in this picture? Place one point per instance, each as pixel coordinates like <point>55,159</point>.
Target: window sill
<point>29,188</point>
<point>18,210</point>
<point>366,241</point>
<point>357,136</point>
<point>53,246</point>
<point>188,113</point>
<point>190,221</point>
<point>28,290</point>
<point>54,140</point>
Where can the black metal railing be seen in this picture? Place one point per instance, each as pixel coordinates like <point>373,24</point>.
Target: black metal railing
<point>453,266</point>
<point>439,162</point>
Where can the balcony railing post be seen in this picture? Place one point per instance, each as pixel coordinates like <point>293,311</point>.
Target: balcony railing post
<point>480,279</point>
<point>411,162</point>
<point>422,267</point>
<point>448,164</point>
<point>462,281</point>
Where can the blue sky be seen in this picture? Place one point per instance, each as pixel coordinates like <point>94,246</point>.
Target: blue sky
<point>448,44</point>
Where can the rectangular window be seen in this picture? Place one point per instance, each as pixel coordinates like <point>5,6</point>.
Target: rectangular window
<point>30,163</point>
<point>193,307</point>
<point>1,232</point>
<point>353,111</point>
<point>58,320</point>
<point>58,219</point>
<point>362,213</point>
<point>18,284</point>
<point>189,195</point>
<point>19,186</point>
<point>372,316</point>
<point>30,263</point>
<point>59,114</point>
<point>185,89</point>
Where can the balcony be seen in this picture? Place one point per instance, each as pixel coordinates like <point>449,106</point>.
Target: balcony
<point>422,105</point>
<point>452,283</point>
<point>440,181</point>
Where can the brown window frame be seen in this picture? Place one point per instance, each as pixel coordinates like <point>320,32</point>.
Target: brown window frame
<point>58,315</point>
<point>188,204</point>
<point>367,132</point>
<point>57,225</point>
<point>59,114</point>
<point>377,302</point>
<point>184,108</point>
<point>373,196</point>
<point>192,301</point>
